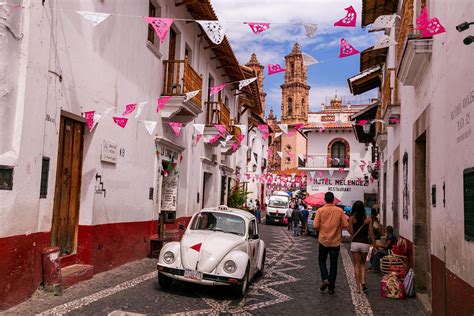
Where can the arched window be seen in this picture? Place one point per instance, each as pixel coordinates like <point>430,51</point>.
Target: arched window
<point>290,106</point>
<point>338,151</point>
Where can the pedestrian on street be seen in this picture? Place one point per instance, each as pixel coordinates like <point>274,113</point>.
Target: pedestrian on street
<point>289,211</point>
<point>257,210</point>
<point>382,251</point>
<point>361,228</point>
<point>305,214</point>
<point>330,220</point>
<point>251,206</point>
<point>296,218</point>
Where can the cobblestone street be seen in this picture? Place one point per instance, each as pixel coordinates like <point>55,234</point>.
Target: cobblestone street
<point>290,286</point>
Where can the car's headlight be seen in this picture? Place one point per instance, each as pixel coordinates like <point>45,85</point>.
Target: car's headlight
<point>168,257</point>
<point>230,266</point>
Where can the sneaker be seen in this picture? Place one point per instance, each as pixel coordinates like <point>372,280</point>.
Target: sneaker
<point>324,285</point>
<point>331,291</point>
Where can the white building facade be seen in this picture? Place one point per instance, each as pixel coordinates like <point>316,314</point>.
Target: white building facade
<point>97,195</point>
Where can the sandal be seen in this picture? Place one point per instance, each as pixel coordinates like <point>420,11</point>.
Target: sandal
<point>364,288</point>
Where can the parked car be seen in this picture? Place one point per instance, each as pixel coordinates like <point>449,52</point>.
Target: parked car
<point>311,217</point>
<point>221,246</point>
<point>277,206</point>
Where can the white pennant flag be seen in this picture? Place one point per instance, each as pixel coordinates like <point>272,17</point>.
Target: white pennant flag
<point>283,127</point>
<point>97,118</point>
<point>331,172</point>
<point>94,17</point>
<point>246,82</point>
<point>150,126</point>
<point>312,174</point>
<point>214,30</point>
<point>301,156</point>
<point>384,41</point>
<point>280,154</point>
<point>384,21</point>
<point>190,95</point>
<point>140,107</point>
<point>229,137</point>
<point>199,128</point>
<point>278,134</point>
<point>223,143</point>
<point>243,129</point>
<point>310,30</point>
<point>309,60</point>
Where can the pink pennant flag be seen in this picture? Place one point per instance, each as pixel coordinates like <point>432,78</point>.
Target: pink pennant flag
<point>221,129</point>
<point>320,174</point>
<point>234,147</point>
<point>362,167</point>
<point>176,127</point>
<point>299,126</point>
<point>433,27</point>
<point>160,25</point>
<point>240,138</point>
<point>162,102</point>
<point>258,27</point>
<point>422,19</point>
<point>120,121</point>
<point>197,138</point>
<point>214,139</point>
<point>89,115</point>
<point>216,89</point>
<point>291,133</point>
<point>341,170</point>
<point>346,49</point>
<point>349,20</point>
<point>264,129</point>
<point>273,69</point>
<point>129,108</point>
<point>362,122</point>
<point>363,162</point>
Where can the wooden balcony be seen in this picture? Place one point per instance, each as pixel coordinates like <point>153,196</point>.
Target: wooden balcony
<point>218,113</point>
<point>178,79</point>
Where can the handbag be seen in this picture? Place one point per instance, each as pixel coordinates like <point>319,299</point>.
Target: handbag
<point>409,283</point>
<point>392,287</point>
<point>393,264</point>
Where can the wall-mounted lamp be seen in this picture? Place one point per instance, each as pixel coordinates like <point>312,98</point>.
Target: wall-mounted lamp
<point>366,128</point>
<point>461,28</point>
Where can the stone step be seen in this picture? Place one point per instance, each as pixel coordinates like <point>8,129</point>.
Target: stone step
<point>76,273</point>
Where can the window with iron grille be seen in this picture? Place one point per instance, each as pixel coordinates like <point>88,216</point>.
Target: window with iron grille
<point>44,178</point>
<point>338,154</point>
<point>469,204</point>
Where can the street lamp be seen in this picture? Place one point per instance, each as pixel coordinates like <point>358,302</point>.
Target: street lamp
<point>366,128</point>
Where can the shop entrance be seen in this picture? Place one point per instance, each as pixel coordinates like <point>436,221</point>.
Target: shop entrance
<point>421,219</point>
<point>68,186</point>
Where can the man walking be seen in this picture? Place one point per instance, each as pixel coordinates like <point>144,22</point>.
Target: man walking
<point>330,220</point>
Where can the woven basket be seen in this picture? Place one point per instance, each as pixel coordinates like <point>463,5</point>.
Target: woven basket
<point>391,263</point>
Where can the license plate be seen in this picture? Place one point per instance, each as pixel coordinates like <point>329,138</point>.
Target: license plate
<point>277,220</point>
<point>193,275</point>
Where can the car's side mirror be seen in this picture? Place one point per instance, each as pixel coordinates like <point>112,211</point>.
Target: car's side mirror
<point>254,236</point>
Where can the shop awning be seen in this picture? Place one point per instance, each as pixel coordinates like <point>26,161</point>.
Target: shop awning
<point>368,114</point>
<point>370,58</point>
<point>365,81</point>
<point>372,9</point>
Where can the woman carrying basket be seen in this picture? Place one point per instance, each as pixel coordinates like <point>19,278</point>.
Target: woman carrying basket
<point>361,228</point>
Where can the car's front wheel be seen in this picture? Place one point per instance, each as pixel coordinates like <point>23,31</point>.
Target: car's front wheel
<point>239,290</point>
<point>164,281</point>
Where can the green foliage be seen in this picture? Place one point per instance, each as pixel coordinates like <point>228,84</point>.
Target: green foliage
<point>238,197</point>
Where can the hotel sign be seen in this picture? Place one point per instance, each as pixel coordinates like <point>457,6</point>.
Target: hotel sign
<point>328,118</point>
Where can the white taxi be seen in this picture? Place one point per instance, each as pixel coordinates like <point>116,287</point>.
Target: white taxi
<point>221,246</point>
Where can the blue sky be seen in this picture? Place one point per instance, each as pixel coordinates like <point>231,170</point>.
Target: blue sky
<point>273,44</point>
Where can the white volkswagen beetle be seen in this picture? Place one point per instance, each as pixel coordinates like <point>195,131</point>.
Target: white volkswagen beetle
<point>221,246</point>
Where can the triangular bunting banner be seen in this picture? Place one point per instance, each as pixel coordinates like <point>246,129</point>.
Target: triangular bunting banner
<point>341,170</point>
<point>199,128</point>
<point>422,19</point>
<point>246,82</point>
<point>278,134</point>
<point>190,95</point>
<point>150,126</point>
<point>312,174</point>
<point>229,137</point>
<point>280,154</point>
<point>214,30</point>
<point>162,102</point>
<point>234,147</point>
<point>240,138</point>
<point>223,143</point>
<point>140,107</point>
<point>89,115</point>
<point>283,127</point>
<point>214,139</point>
<point>197,138</point>
<point>362,167</point>
<point>273,69</point>
<point>310,30</point>
<point>216,89</point>
<point>243,129</point>
<point>258,27</point>
<point>264,129</point>
<point>94,17</point>
<point>221,129</point>
<point>299,126</point>
<point>321,174</point>
<point>129,108</point>
<point>384,21</point>
<point>120,121</point>
<point>176,127</point>
<point>309,60</point>
<point>433,27</point>
<point>331,172</point>
<point>349,20</point>
<point>384,41</point>
<point>346,49</point>
<point>160,25</point>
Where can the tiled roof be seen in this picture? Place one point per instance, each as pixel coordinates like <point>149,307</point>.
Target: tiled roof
<point>327,125</point>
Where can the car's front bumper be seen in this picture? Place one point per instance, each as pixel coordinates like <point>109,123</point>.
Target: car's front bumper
<point>207,279</point>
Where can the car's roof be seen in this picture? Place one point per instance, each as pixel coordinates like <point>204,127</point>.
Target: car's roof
<point>229,210</point>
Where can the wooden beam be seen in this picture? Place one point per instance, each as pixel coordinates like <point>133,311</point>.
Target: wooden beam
<point>185,2</point>
<point>218,57</point>
<point>211,46</point>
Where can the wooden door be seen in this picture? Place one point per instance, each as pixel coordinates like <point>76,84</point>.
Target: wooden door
<point>68,185</point>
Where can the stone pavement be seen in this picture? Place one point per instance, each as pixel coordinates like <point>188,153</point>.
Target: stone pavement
<point>290,286</point>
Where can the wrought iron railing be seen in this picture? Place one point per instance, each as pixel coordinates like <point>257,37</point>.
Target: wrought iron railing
<point>179,78</point>
<point>325,161</point>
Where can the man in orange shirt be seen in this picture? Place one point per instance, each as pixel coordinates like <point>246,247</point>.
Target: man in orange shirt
<point>330,220</point>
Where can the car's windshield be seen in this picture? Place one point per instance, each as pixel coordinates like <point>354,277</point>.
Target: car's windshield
<point>222,222</point>
<point>278,203</point>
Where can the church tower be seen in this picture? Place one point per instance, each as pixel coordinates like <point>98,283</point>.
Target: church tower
<point>258,68</point>
<point>295,90</point>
